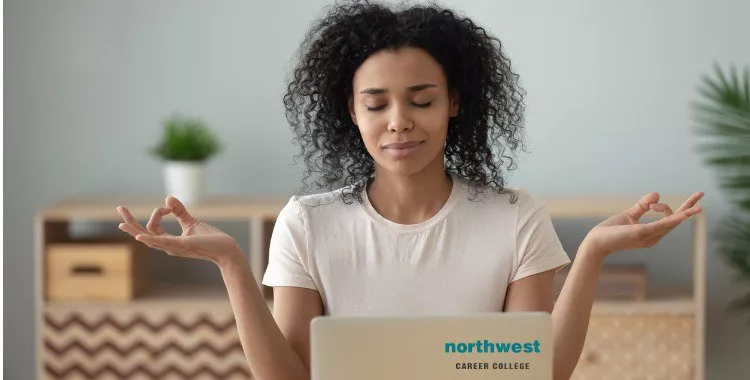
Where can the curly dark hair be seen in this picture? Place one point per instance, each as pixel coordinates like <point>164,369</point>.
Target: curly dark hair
<point>491,100</point>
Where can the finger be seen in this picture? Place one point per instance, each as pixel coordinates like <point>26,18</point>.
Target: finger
<point>180,212</point>
<point>163,242</point>
<point>654,231</point>
<point>130,219</point>
<point>643,205</point>
<point>697,209</point>
<point>661,207</point>
<point>153,244</point>
<point>691,201</point>
<point>153,223</point>
<point>668,223</point>
<point>132,231</point>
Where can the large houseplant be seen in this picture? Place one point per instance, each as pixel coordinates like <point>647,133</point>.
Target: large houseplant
<point>723,116</point>
<point>186,146</point>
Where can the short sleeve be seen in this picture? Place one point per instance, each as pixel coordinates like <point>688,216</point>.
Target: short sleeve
<point>537,245</point>
<point>287,255</point>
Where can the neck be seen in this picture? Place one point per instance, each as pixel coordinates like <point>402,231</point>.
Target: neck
<point>409,199</point>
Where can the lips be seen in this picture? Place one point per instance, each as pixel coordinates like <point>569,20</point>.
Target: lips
<point>403,149</point>
<point>402,145</point>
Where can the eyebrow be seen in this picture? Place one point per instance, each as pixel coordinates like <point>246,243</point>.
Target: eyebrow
<point>419,87</point>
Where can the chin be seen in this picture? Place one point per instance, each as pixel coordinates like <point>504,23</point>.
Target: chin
<point>404,167</point>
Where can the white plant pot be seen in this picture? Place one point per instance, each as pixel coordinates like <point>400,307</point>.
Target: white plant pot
<point>184,180</point>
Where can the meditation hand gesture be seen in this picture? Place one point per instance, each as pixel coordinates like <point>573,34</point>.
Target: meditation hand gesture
<point>622,231</point>
<point>198,239</point>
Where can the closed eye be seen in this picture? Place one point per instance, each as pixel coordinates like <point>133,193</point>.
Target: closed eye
<point>425,105</point>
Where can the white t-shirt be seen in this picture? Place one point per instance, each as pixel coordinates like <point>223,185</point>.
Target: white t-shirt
<point>459,261</point>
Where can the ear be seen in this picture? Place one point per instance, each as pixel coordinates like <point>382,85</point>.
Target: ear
<point>350,104</point>
<point>454,100</point>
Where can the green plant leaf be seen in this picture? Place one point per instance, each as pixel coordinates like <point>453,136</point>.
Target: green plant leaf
<point>186,139</point>
<point>739,182</point>
<point>741,160</point>
<point>723,116</point>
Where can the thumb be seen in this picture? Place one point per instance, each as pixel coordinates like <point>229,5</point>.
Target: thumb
<point>180,212</point>
<point>160,241</point>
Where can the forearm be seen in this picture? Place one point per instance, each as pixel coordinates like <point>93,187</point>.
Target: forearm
<point>572,310</point>
<point>268,354</point>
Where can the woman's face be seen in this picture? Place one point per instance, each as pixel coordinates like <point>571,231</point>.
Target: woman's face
<point>402,97</point>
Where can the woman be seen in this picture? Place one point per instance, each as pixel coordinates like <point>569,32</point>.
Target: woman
<point>411,111</point>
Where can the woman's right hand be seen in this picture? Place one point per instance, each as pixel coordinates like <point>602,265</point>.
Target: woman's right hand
<point>198,239</point>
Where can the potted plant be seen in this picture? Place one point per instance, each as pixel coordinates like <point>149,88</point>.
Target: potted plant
<point>186,146</point>
<point>724,116</point>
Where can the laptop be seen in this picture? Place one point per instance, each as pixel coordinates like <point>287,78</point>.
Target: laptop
<point>472,346</point>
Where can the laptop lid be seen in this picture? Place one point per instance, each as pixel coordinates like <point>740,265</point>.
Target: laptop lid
<point>473,346</point>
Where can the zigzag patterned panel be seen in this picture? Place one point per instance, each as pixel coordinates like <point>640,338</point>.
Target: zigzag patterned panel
<point>119,344</point>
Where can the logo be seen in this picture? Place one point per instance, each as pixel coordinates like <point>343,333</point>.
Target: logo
<point>490,347</point>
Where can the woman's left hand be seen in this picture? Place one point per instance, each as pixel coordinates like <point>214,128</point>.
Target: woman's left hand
<point>622,231</point>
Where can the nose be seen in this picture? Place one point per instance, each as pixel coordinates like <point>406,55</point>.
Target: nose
<point>400,120</point>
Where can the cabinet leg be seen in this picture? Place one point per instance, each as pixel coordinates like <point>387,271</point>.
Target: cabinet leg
<point>260,241</point>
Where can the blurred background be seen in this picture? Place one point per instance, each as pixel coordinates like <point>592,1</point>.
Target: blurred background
<point>610,86</point>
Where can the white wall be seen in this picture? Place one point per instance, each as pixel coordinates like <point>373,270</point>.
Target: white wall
<point>87,82</point>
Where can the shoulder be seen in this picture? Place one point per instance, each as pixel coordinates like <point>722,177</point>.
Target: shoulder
<point>517,202</point>
<point>528,202</point>
<point>325,203</point>
<point>515,198</point>
<point>531,212</point>
<point>329,198</point>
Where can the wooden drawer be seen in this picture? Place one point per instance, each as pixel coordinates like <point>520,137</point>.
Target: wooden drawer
<point>638,347</point>
<point>96,270</point>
